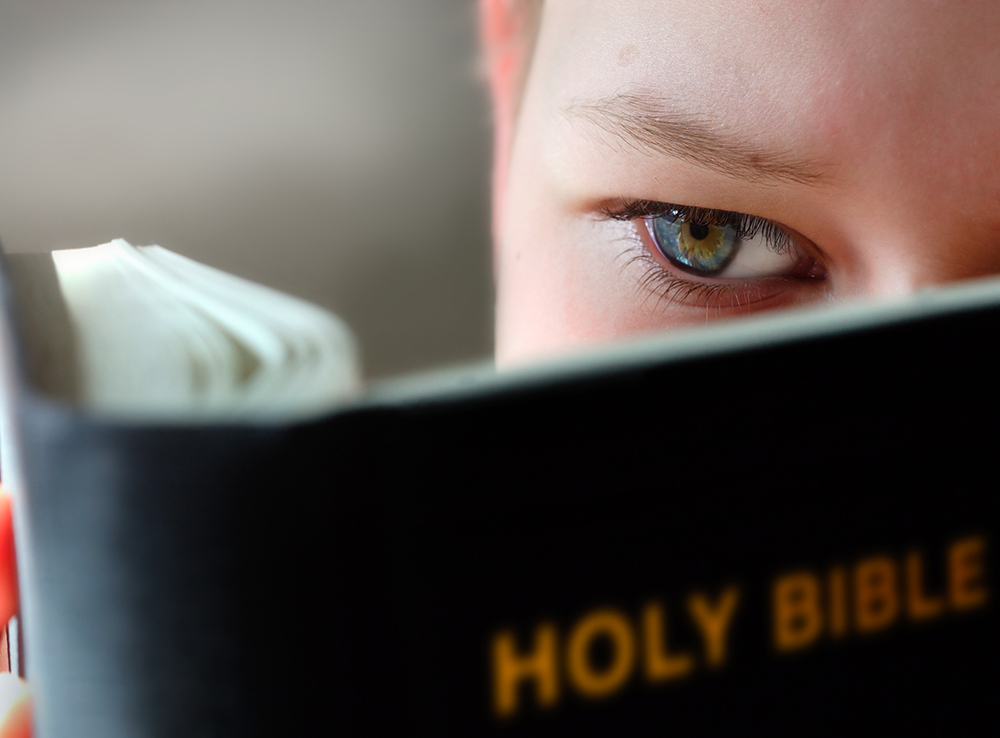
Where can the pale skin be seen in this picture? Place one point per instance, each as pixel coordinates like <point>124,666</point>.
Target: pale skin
<point>869,131</point>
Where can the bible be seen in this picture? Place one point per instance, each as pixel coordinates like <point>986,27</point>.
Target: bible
<point>786,522</point>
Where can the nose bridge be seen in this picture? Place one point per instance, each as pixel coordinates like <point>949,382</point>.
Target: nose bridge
<point>898,267</point>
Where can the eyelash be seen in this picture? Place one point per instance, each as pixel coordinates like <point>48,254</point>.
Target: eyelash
<point>672,288</point>
<point>745,226</point>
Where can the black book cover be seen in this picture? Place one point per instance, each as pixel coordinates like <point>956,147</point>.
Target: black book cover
<point>793,534</point>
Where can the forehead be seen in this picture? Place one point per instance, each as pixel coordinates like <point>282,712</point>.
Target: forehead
<point>884,93</point>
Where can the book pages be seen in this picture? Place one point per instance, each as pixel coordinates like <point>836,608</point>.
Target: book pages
<point>158,334</point>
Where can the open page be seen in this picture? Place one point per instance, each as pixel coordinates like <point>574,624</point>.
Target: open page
<point>144,331</point>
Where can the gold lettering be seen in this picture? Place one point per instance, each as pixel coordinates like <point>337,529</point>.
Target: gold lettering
<point>966,588</point>
<point>919,606</point>
<point>876,601</point>
<point>661,665</point>
<point>798,620</point>
<point>616,629</point>
<point>837,588</point>
<point>713,620</point>
<point>510,669</point>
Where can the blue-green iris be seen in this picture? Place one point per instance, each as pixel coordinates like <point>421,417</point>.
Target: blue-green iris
<point>704,250</point>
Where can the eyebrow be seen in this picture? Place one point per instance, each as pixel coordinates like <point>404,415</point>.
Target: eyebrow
<point>647,122</point>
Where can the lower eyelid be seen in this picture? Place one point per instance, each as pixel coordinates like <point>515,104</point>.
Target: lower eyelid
<point>669,290</point>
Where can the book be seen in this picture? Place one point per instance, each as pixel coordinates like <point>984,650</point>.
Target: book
<point>784,524</point>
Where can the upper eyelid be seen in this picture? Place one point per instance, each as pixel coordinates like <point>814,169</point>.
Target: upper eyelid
<point>633,209</point>
<point>746,226</point>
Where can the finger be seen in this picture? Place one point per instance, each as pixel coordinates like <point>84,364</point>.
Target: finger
<point>15,708</point>
<point>8,562</point>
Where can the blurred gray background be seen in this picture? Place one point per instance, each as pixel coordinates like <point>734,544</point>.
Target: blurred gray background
<point>336,150</point>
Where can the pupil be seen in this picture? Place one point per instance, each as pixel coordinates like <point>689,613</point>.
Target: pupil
<point>698,231</point>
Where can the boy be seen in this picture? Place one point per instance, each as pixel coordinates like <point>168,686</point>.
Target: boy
<point>663,163</point>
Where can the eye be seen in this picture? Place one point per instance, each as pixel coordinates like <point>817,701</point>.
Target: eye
<point>731,246</point>
<point>719,259</point>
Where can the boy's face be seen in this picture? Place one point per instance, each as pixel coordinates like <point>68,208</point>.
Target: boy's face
<point>867,133</point>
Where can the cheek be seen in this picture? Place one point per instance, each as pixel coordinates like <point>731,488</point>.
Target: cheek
<point>562,285</point>
<point>539,303</point>
<point>542,302</point>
